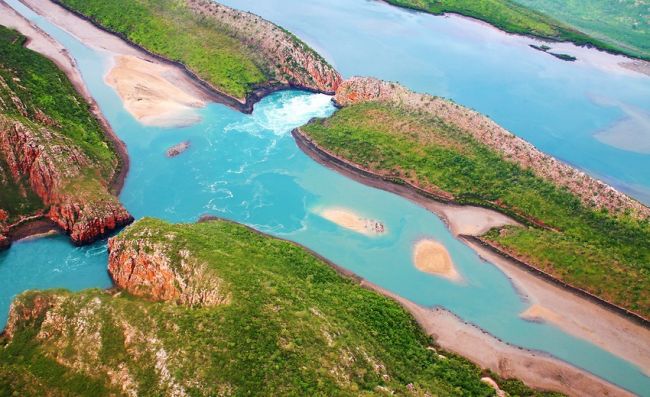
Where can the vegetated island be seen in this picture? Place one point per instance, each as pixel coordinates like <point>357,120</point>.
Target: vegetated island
<point>513,17</point>
<point>237,55</point>
<point>577,229</point>
<point>215,308</point>
<point>58,164</point>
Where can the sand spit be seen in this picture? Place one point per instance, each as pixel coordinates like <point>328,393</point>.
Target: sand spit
<point>432,257</point>
<point>575,315</point>
<point>536,369</point>
<point>155,92</point>
<point>149,96</point>
<point>352,221</point>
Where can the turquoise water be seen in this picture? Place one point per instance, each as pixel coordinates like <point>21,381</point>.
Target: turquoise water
<point>248,168</point>
<point>556,105</point>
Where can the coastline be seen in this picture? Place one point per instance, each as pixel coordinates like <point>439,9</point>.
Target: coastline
<point>537,369</point>
<point>244,105</point>
<point>623,331</point>
<point>604,47</point>
<point>44,44</point>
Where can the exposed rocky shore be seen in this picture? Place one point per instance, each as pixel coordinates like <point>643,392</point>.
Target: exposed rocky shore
<point>42,163</point>
<point>591,191</point>
<point>291,62</point>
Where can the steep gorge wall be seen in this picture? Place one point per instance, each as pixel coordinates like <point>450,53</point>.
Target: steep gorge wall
<point>590,191</point>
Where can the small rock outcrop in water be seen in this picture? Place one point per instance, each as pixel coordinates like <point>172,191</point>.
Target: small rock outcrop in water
<point>290,60</point>
<point>177,149</point>
<point>151,269</point>
<point>591,191</point>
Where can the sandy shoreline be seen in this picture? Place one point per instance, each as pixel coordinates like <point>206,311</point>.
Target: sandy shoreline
<point>551,373</point>
<point>595,323</point>
<point>149,96</point>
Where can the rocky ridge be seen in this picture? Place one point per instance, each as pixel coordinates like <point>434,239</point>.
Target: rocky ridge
<point>40,159</point>
<point>291,62</point>
<point>590,191</point>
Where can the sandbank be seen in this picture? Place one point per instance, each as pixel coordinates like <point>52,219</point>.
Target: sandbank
<point>352,221</point>
<point>605,328</point>
<point>431,257</point>
<point>149,96</point>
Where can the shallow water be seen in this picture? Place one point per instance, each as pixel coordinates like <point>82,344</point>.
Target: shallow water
<point>248,168</point>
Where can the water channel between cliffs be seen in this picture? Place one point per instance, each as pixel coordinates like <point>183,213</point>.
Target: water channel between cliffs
<point>248,168</point>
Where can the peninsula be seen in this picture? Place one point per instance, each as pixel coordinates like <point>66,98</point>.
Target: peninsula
<point>618,28</point>
<point>238,56</point>
<point>59,164</point>
<point>215,308</point>
<point>576,228</point>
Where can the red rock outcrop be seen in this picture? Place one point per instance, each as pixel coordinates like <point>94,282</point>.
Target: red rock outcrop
<point>590,191</point>
<point>151,269</point>
<point>57,171</point>
<point>26,309</point>
<point>291,61</point>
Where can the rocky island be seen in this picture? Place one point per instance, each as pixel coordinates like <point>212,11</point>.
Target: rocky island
<point>57,165</point>
<point>446,152</point>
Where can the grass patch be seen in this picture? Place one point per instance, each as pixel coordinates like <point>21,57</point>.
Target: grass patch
<point>292,327</point>
<point>168,28</point>
<point>602,253</point>
<point>551,19</point>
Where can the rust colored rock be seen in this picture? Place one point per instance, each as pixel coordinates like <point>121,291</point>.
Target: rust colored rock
<point>88,222</point>
<point>151,270</point>
<point>290,60</point>
<point>40,159</point>
<point>21,312</point>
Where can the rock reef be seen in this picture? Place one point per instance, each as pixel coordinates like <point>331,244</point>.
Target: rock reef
<point>590,191</point>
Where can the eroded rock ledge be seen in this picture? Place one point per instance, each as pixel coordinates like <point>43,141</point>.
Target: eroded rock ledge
<point>149,266</point>
<point>590,191</point>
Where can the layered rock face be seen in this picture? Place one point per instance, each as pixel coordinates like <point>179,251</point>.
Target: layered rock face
<point>56,171</point>
<point>154,270</point>
<point>38,159</point>
<point>590,191</point>
<point>290,61</point>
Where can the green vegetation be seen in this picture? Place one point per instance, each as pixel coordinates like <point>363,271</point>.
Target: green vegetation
<point>624,24</point>
<point>37,95</point>
<point>606,254</point>
<point>542,19</point>
<point>292,326</point>
<point>169,28</point>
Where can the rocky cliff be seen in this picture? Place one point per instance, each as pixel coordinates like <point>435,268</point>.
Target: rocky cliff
<point>155,270</point>
<point>54,158</point>
<point>290,60</point>
<point>591,191</point>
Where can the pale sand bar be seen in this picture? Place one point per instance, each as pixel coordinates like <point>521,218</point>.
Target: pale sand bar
<point>432,257</point>
<point>352,221</point>
<point>168,96</point>
<point>149,96</point>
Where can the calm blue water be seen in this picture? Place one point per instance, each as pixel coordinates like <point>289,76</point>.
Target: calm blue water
<point>248,168</point>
